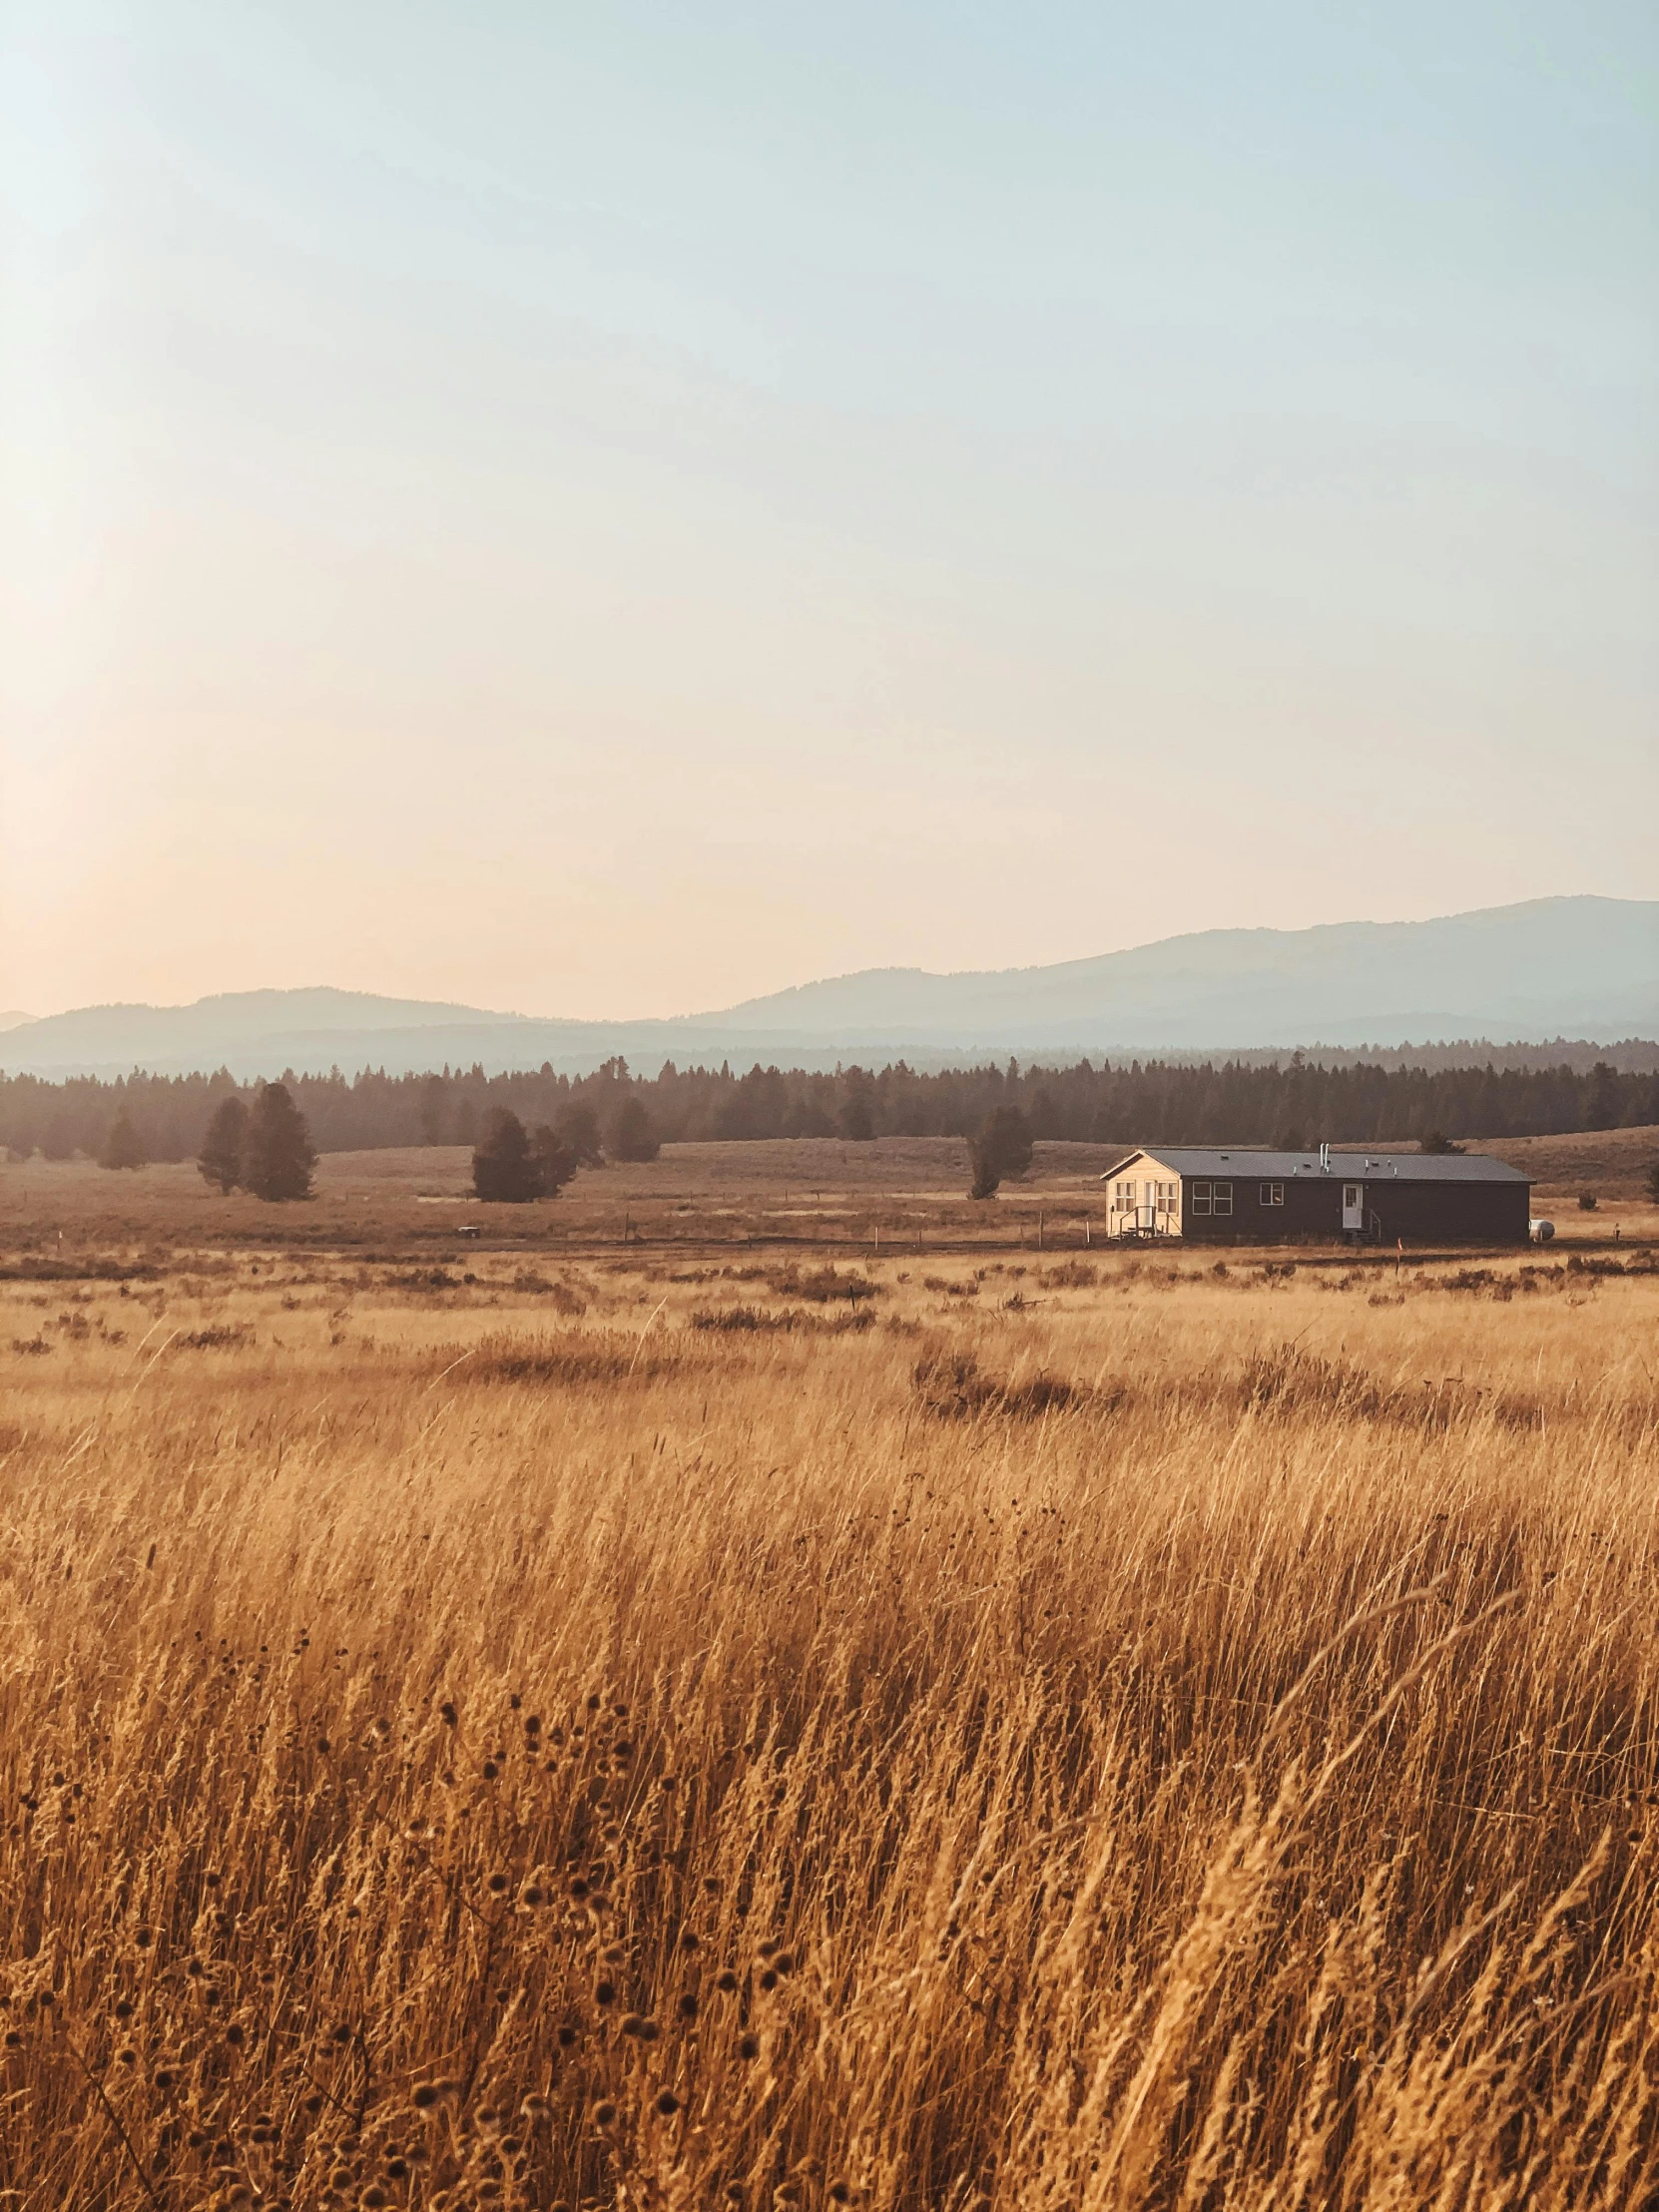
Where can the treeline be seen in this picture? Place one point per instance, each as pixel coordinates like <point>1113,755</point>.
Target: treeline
<point>1296,1103</point>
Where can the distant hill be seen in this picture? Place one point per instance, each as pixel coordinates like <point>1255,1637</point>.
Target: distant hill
<point>13,1021</point>
<point>1553,967</point>
<point>1585,967</point>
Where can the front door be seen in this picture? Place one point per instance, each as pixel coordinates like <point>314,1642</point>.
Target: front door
<point>1354,1206</point>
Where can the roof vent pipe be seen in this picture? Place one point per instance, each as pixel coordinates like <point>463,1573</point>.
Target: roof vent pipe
<point>1324,1159</point>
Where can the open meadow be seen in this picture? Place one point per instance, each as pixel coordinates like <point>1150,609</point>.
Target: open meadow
<point>828,1703</point>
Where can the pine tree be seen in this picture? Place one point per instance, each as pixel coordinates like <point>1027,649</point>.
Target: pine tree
<point>1604,1097</point>
<point>277,1154</point>
<point>1006,1139</point>
<point>220,1159</point>
<point>122,1148</point>
<point>985,1176</point>
<point>553,1161</point>
<point>434,1109</point>
<point>856,1119</point>
<point>504,1170</point>
<point>578,1130</point>
<point>633,1135</point>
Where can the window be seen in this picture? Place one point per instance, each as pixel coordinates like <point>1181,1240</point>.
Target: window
<point>1271,1194</point>
<point>1164,1197</point>
<point>1211,1198</point>
<point>1123,1197</point>
<point>1200,1198</point>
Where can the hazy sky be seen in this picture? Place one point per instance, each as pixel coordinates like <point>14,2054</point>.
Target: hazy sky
<point>605,510</point>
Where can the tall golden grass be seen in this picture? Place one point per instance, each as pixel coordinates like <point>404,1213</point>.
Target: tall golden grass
<point>1154,1739</point>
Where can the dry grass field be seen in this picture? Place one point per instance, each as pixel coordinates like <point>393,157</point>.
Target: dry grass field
<point>906,1193</point>
<point>776,1727</point>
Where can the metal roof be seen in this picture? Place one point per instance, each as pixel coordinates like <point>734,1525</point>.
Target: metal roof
<point>1345,1167</point>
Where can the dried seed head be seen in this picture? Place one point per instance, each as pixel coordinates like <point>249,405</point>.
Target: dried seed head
<point>423,2095</point>
<point>667,2104</point>
<point>726,1980</point>
<point>497,1885</point>
<point>604,2113</point>
<point>748,2046</point>
<point>688,2006</point>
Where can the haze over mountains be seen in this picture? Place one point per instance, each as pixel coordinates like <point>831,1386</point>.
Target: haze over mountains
<point>1579,967</point>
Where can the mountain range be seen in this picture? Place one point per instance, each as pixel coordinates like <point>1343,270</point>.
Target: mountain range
<point>1584,968</point>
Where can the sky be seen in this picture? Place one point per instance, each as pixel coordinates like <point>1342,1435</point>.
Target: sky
<point>606,511</point>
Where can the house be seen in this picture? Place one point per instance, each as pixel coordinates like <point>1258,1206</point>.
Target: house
<point>1245,1196</point>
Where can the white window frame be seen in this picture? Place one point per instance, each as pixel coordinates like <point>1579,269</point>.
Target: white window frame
<point>1271,1194</point>
<point>1221,1200</point>
<point>1199,1205</point>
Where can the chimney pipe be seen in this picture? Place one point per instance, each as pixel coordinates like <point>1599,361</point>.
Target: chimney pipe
<point>1324,1159</point>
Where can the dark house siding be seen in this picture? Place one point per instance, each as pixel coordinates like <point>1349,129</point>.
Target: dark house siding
<point>1311,1209</point>
<point>1453,1213</point>
<point>1420,1212</point>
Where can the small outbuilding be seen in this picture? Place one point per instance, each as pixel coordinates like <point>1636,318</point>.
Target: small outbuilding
<point>1246,1195</point>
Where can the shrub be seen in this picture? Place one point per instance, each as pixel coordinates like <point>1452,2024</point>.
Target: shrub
<point>1438,1143</point>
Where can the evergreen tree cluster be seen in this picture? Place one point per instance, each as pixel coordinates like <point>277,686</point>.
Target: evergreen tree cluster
<point>616,1115</point>
<point>512,1164</point>
<point>265,1148</point>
